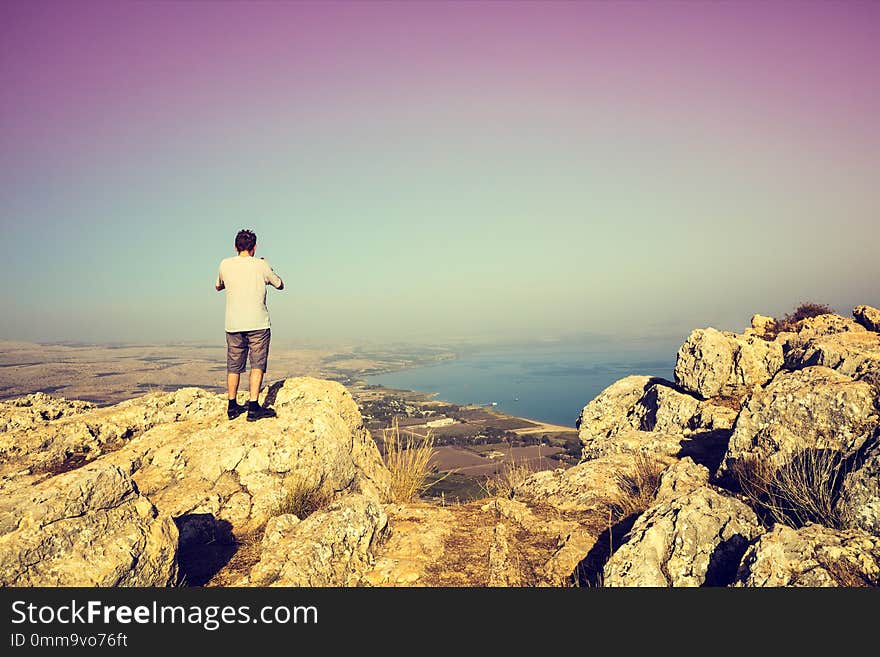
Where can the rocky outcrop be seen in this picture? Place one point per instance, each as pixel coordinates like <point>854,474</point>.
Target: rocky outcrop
<point>811,556</point>
<point>333,547</point>
<point>416,540</point>
<point>89,527</point>
<point>815,407</point>
<point>204,479</point>
<point>859,501</point>
<point>868,317</point>
<point>763,327</point>
<point>240,472</point>
<point>80,432</point>
<point>572,541</point>
<point>640,413</point>
<point>582,488</point>
<point>853,353</point>
<point>681,478</point>
<point>713,363</point>
<point>694,539</point>
<point>32,411</point>
<point>612,411</point>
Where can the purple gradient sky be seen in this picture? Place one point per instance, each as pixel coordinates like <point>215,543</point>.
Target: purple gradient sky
<point>136,94</point>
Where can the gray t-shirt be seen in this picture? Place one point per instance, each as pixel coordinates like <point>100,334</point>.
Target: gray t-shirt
<point>245,279</point>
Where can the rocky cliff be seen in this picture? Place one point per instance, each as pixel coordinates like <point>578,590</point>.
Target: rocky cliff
<point>756,466</point>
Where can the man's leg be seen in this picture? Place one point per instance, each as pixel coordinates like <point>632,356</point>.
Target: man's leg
<point>258,341</point>
<point>256,381</point>
<point>236,353</point>
<point>232,379</point>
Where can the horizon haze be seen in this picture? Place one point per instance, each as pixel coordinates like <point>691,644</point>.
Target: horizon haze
<point>436,171</point>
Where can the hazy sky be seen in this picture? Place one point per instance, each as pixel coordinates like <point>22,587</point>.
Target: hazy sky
<point>431,170</point>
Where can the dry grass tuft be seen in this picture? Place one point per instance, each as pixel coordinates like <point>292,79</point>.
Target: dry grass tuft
<point>804,489</point>
<point>637,487</point>
<point>302,498</point>
<point>409,461</point>
<point>505,482</point>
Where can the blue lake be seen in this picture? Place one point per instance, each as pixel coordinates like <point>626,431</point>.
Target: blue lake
<point>550,382</point>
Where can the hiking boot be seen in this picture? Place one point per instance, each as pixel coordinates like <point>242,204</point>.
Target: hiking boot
<point>256,412</point>
<point>234,409</point>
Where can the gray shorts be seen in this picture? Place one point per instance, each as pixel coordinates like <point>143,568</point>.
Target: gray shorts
<point>239,343</point>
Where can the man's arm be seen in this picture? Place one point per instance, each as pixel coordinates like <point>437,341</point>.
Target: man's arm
<point>272,278</point>
<point>219,284</point>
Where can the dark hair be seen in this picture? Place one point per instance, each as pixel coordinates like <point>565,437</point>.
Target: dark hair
<point>245,240</point>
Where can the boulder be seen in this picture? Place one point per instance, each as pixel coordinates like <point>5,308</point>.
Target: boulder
<point>585,487</point>
<point>240,472</point>
<point>333,547</point>
<point>854,353</point>
<point>682,477</point>
<point>694,539</point>
<point>665,409</point>
<point>827,324</point>
<point>763,327</point>
<point>812,408</point>
<point>868,317</point>
<point>859,501</point>
<point>811,556</point>
<point>88,527</point>
<point>613,410</point>
<point>646,413</point>
<point>713,363</point>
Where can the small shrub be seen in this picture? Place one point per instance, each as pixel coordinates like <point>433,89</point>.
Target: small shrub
<point>804,489</point>
<point>637,487</point>
<point>303,498</point>
<point>409,461</point>
<point>803,311</point>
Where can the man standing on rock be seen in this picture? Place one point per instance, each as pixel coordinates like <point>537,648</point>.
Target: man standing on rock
<point>244,278</point>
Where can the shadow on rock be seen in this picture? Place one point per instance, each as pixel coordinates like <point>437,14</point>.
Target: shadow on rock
<point>272,392</point>
<point>590,571</point>
<point>206,545</point>
<point>724,561</point>
<point>706,448</point>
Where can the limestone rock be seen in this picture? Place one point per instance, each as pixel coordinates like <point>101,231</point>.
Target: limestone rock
<point>585,487</point>
<point>513,510</point>
<point>501,571</point>
<point>304,401</point>
<point>827,324</point>
<point>811,556</point>
<point>811,408</point>
<point>240,471</point>
<point>333,547</point>
<point>868,317</point>
<point>680,478</point>
<point>762,326</point>
<point>612,410</point>
<point>667,410</point>
<point>88,527</point>
<point>415,541</point>
<point>854,353</point>
<point>78,429</point>
<point>695,539</point>
<point>36,409</point>
<point>712,363</point>
<point>619,418</point>
<point>859,499</point>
